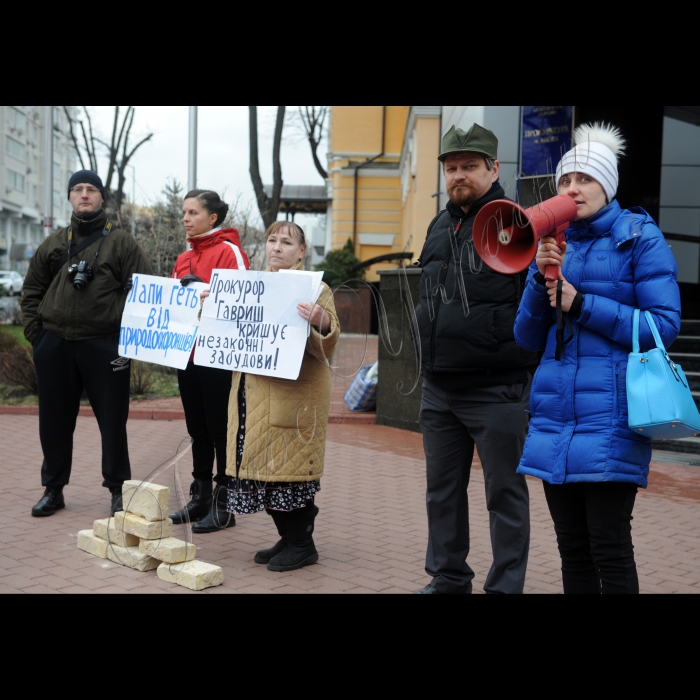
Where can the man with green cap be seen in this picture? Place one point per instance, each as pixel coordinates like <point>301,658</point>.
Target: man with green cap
<point>476,379</point>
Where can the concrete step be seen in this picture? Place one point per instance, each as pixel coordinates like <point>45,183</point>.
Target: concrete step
<point>685,343</point>
<point>687,445</point>
<point>689,361</point>
<point>690,327</point>
<point>693,380</point>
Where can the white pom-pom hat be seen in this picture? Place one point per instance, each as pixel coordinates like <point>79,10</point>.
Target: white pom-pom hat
<point>595,152</point>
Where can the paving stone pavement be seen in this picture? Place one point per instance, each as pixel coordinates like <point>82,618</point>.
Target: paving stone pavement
<point>371,530</point>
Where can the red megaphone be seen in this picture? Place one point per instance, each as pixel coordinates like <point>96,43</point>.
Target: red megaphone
<point>505,235</point>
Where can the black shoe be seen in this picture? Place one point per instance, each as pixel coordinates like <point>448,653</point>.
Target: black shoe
<point>50,502</point>
<point>218,517</point>
<point>199,505</point>
<point>429,590</point>
<point>264,555</point>
<point>117,502</point>
<point>300,550</point>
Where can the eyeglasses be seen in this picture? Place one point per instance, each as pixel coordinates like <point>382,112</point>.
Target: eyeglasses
<point>89,190</point>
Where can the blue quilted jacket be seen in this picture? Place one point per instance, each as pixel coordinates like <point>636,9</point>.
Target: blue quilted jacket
<point>618,259</point>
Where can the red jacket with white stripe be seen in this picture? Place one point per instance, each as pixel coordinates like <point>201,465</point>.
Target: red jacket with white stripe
<point>220,249</point>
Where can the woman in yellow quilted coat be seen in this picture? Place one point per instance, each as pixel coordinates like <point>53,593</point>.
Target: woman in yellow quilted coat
<point>277,427</point>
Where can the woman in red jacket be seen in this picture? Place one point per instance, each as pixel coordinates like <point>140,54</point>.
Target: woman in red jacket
<point>205,390</point>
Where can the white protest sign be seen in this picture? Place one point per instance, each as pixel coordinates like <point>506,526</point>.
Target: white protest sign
<point>159,323</point>
<point>250,323</point>
<point>316,279</point>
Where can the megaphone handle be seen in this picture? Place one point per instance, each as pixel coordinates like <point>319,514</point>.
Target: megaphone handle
<point>551,272</point>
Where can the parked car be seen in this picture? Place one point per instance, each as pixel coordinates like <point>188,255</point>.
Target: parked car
<point>11,282</point>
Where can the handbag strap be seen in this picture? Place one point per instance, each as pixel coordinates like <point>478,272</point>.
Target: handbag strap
<point>652,327</point>
<point>654,331</point>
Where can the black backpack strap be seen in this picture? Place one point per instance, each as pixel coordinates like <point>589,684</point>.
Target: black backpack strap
<point>78,249</point>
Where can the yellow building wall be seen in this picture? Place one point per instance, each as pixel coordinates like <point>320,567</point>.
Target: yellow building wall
<point>358,129</point>
<point>421,206</point>
<point>355,137</point>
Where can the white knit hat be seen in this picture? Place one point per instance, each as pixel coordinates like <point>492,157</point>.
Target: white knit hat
<point>594,153</point>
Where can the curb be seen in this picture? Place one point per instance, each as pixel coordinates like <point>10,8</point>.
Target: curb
<point>177,414</point>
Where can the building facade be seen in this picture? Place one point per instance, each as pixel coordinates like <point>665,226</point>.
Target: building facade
<point>23,180</point>
<point>386,185</point>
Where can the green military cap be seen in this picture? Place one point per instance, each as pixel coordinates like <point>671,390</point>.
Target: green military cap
<point>476,140</point>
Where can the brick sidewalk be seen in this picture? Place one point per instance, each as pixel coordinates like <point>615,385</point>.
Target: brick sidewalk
<point>371,531</point>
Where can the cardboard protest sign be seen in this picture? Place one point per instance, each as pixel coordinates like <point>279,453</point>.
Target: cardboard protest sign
<point>159,323</point>
<point>250,322</point>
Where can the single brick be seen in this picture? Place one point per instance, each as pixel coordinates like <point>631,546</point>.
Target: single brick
<point>170,550</point>
<point>142,528</point>
<point>195,575</point>
<point>107,530</point>
<point>149,501</point>
<point>131,557</point>
<point>90,543</point>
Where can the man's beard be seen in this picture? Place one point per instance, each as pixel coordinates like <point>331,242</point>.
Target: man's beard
<point>463,197</point>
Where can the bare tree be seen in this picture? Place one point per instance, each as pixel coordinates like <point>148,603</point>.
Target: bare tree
<point>240,216</point>
<point>118,151</point>
<point>160,232</point>
<point>268,205</point>
<point>313,120</point>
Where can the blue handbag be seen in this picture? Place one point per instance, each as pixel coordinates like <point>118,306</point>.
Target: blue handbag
<point>659,403</point>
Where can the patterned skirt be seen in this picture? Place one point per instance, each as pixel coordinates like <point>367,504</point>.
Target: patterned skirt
<point>246,496</point>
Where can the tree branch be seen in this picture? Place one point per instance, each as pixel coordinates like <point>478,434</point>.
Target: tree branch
<point>260,195</point>
<point>313,123</point>
<point>74,138</point>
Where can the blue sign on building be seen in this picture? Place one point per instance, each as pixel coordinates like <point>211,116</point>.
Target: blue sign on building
<point>545,138</point>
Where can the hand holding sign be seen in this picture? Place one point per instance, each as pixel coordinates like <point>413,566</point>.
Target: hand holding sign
<point>251,323</point>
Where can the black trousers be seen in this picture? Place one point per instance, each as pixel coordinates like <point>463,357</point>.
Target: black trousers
<point>494,419</point>
<point>593,523</point>
<point>205,394</point>
<point>63,369</point>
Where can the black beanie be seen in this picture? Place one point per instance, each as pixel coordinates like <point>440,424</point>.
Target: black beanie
<point>86,177</point>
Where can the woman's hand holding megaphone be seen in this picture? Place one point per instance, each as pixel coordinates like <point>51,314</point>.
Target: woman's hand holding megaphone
<point>568,293</point>
<point>549,252</point>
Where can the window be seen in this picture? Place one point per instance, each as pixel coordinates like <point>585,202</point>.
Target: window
<point>57,201</point>
<point>15,148</point>
<point>15,180</point>
<point>57,117</point>
<point>17,119</point>
<point>56,171</point>
<point>56,143</point>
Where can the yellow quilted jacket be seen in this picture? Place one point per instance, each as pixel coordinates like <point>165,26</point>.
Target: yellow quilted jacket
<point>286,419</point>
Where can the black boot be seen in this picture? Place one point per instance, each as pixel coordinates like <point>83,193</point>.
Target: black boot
<point>300,550</point>
<point>117,503</point>
<point>218,517</point>
<point>199,505</point>
<point>50,502</point>
<point>264,555</point>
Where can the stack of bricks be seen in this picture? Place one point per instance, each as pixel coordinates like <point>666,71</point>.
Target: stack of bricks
<point>140,537</point>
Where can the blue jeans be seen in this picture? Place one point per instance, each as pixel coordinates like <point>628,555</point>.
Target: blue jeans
<point>593,523</point>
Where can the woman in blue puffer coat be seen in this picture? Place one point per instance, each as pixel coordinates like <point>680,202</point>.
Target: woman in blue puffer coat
<point>613,262</point>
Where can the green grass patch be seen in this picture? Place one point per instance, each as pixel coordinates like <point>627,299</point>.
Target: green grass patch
<point>16,332</point>
<point>17,396</point>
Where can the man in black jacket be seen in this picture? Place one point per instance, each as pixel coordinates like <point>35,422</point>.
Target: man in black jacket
<point>74,295</point>
<point>476,380</point>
